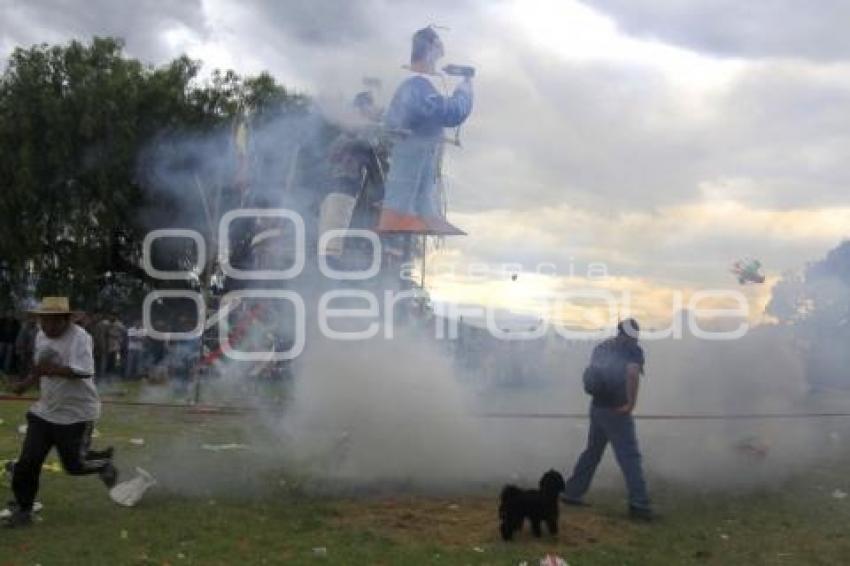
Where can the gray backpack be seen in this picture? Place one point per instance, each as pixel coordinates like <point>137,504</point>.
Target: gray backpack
<point>605,370</point>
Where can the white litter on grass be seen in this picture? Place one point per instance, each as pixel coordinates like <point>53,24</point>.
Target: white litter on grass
<point>320,551</point>
<point>478,549</point>
<point>128,493</point>
<point>223,447</point>
<point>553,560</point>
<point>36,508</point>
<point>137,441</point>
<point>838,494</point>
<point>22,429</point>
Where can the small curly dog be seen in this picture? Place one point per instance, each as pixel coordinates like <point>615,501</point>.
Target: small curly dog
<point>536,505</point>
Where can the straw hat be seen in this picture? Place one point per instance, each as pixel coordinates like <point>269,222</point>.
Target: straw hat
<point>53,305</point>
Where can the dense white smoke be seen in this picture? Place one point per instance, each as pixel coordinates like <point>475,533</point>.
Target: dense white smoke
<point>406,413</point>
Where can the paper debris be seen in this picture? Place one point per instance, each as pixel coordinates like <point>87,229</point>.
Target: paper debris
<point>320,551</point>
<point>223,447</point>
<point>553,560</point>
<point>128,493</point>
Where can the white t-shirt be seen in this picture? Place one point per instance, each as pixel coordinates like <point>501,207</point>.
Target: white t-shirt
<point>67,400</point>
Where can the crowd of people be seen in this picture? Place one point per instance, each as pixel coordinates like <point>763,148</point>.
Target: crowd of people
<point>123,351</point>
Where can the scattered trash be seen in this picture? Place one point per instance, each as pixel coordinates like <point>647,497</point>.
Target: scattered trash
<point>223,447</point>
<point>95,433</point>
<point>724,536</point>
<point>181,556</point>
<point>838,494</point>
<point>137,441</point>
<point>478,549</point>
<point>320,551</point>
<point>22,429</point>
<point>129,492</point>
<point>124,534</point>
<point>454,506</point>
<point>553,560</point>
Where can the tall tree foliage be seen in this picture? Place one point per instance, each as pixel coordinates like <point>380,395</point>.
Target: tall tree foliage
<point>73,120</point>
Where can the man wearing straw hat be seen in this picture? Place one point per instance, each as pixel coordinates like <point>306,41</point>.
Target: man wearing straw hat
<point>66,409</point>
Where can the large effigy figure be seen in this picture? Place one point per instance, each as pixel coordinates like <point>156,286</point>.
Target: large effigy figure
<point>420,113</point>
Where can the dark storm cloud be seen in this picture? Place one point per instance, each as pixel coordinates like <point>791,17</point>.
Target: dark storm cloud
<point>140,23</point>
<point>617,137</point>
<point>605,136</point>
<point>322,22</point>
<point>762,28</point>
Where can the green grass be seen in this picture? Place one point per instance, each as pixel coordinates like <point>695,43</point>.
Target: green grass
<point>274,522</point>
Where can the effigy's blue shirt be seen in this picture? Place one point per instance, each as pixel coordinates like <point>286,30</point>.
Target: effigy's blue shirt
<point>415,158</point>
<point>418,106</point>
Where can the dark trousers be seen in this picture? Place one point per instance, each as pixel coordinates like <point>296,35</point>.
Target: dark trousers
<point>608,426</point>
<point>71,441</point>
<point>7,356</point>
<point>132,364</point>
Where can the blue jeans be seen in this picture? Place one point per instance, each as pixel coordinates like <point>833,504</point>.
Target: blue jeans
<point>608,426</point>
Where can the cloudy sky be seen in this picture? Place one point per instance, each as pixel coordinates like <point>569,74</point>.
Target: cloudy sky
<point>662,139</point>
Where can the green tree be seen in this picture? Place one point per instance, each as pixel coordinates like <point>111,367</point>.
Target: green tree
<point>73,121</point>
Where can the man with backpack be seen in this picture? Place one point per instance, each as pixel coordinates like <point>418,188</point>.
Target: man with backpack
<point>612,379</point>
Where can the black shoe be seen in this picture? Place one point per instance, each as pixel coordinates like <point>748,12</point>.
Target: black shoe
<point>18,519</point>
<point>106,454</point>
<point>642,514</point>
<point>109,475</point>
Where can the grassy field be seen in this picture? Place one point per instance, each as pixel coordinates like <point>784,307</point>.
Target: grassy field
<point>279,519</point>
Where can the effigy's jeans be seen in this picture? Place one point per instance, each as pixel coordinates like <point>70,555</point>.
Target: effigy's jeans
<point>412,180</point>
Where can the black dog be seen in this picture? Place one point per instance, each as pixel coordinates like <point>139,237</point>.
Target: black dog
<point>536,505</point>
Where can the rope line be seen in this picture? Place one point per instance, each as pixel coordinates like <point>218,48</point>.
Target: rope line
<point>237,409</point>
<point>672,417</point>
